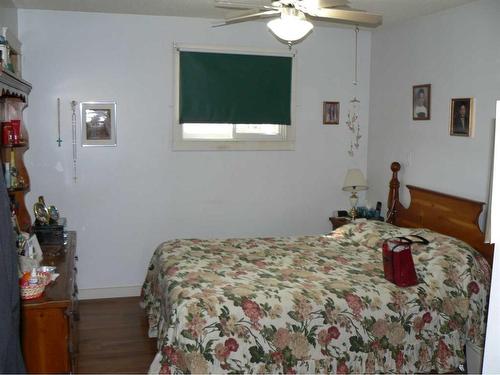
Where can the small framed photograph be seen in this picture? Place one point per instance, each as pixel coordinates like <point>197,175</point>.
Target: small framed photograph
<point>422,102</point>
<point>331,113</point>
<point>462,117</point>
<point>98,123</point>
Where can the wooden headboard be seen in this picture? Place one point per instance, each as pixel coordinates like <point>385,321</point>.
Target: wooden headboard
<point>442,213</point>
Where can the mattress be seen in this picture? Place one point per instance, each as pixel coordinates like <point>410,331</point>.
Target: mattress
<point>314,304</point>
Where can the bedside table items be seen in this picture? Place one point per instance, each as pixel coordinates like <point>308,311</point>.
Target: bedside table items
<point>29,252</point>
<point>48,269</point>
<point>364,213</point>
<point>32,248</point>
<point>32,284</point>
<point>354,182</point>
<point>44,214</point>
<point>53,214</point>
<point>31,291</point>
<point>378,210</point>
<point>369,213</point>
<point>342,213</point>
<point>49,226</point>
<point>33,279</point>
<point>51,234</point>
<point>41,212</point>
<point>337,222</point>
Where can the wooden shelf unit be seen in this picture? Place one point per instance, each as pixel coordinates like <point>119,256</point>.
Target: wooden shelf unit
<point>19,145</point>
<point>14,93</point>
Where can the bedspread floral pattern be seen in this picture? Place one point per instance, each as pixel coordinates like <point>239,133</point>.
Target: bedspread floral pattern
<point>314,304</point>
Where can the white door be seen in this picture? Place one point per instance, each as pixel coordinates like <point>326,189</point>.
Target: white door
<point>491,363</point>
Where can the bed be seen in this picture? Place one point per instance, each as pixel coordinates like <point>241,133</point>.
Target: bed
<point>320,304</point>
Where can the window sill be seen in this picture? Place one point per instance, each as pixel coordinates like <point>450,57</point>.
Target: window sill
<point>183,145</point>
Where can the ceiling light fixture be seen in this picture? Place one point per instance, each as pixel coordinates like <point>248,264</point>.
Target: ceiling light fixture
<point>291,27</point>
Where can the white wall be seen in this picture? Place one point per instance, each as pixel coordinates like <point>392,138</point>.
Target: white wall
<point>457,52</point>
<point>130,198</point>
<point>8,16</point>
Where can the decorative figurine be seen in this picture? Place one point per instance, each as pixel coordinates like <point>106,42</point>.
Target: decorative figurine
<point>41,212</point>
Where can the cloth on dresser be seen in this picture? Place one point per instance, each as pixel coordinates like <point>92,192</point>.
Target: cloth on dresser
<point>11,359</point>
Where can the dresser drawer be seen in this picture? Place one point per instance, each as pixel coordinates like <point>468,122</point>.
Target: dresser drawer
<point>49,328</point>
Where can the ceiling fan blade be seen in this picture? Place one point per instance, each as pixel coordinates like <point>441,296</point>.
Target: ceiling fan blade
<point>238,4</point>
<point>347,16</point>
<point>325,3</point>
<point>248,16</point>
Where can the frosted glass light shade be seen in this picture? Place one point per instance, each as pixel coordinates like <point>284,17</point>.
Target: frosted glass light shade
<point>290,27</point>
<point>354,181</point>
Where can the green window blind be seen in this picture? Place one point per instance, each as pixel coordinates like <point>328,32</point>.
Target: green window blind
<point>234,88</point>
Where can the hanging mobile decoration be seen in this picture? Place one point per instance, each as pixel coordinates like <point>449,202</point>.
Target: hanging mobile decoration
<point>73,123</point>
<point>354,104</point>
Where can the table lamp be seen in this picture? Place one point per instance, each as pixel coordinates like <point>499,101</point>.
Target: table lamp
<point>354,182</point>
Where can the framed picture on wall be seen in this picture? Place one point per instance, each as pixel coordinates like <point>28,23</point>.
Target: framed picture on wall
<point>98,121</point>
<point>331,113</point>
<point>422,102</point>
<point>462,117</point>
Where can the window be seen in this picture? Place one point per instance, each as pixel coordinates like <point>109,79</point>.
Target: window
<point>233,100</point>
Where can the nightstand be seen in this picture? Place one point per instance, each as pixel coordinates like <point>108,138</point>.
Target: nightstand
<point>337,222</point>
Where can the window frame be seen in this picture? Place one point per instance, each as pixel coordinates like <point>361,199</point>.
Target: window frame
<point>285,141</point>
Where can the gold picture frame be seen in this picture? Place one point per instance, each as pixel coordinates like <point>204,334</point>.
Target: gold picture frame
<point>462,117</point>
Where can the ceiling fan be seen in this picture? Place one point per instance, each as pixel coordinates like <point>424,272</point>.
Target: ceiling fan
<point>293,23</point>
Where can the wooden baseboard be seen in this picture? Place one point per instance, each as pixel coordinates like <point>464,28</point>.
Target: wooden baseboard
<point>113,292</point>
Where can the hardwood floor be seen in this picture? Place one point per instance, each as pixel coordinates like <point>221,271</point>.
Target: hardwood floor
<point>113,337</point>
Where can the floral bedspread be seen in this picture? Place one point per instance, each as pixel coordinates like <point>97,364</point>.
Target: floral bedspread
<point>314,304</point>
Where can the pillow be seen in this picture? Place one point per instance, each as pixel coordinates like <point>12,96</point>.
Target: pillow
<point>369,233</point>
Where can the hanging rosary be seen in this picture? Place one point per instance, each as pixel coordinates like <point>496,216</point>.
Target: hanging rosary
<point>73,123</point>
<point>59,140</point>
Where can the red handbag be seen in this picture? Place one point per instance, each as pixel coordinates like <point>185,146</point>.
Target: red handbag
<point>398,261</point>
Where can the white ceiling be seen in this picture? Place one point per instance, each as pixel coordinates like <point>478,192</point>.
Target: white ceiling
<point>393,11</point>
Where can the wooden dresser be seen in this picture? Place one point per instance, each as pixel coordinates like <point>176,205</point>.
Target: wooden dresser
<point>49,332</point>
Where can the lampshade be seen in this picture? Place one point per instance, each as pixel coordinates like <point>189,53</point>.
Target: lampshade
<point>354,181</point>
<point>291,26</point>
